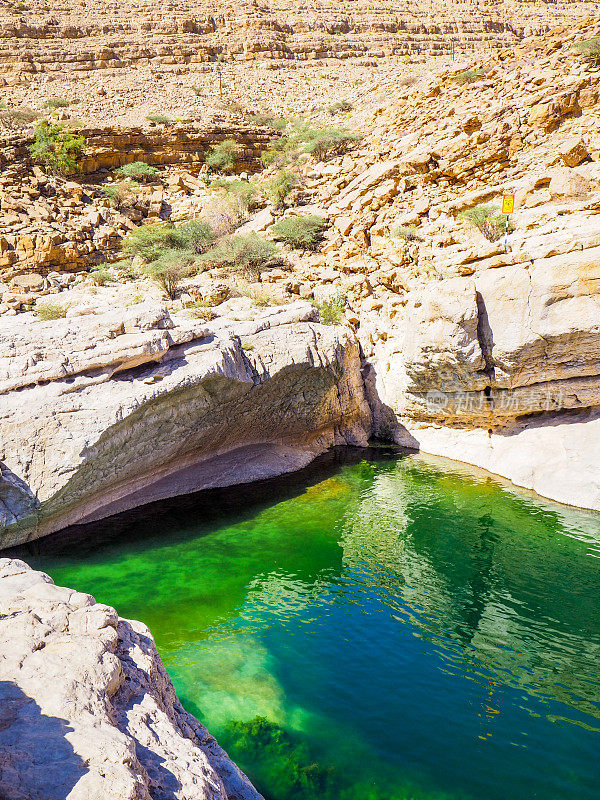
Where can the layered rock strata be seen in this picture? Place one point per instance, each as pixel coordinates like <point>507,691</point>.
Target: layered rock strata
<point>103,413</point>
<point>87,709</point>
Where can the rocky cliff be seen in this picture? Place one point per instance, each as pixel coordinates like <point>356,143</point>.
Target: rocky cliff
<point>104,412</point>
<point>87,709</point>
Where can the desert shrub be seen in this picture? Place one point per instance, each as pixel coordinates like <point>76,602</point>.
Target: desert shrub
<point>491,224</point>
<point>149,241</point>
<point>57,102</point>
<point>409,80</point>
<point>264,119</point>
<point>326,142</point>
<point>100,275</point>
<point>279,187</point>
<point>18,116</point>
<point>48,311</point>
<point>222,156</point>
<point>138,170</point>
<point>201,310</point>
<point>195,235</point>
<point>241,193</point>
<point>407,232</point>
<point>121,192</point>
<point>160,119</point>
<point>590,50</point>
<point>170,253</point>
<point>331,311</point>
<point>469,76</point>
<point>302,232</point>
<point>277,152</point>
<point>123,268</point>
<point>56,148</point>
<point>245,254</point>
<point>341,107</point>
<point>170,268</point>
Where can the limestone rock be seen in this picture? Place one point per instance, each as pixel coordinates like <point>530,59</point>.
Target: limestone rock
<point>87,709</point>
<point>100,413</point>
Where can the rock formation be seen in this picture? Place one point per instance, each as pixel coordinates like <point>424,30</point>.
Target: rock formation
<point>100,413</point>
<point>87,709</point>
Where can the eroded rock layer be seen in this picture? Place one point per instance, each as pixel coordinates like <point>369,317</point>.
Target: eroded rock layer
<point>103,413</point>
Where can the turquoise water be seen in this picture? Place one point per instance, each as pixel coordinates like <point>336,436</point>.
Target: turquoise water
<point>379,630</point>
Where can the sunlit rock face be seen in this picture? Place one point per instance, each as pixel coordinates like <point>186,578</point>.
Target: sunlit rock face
<point>88,708</point>
<point>112,411</point>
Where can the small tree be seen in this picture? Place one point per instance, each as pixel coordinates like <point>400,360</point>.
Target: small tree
<point>279,187</point>
<point>302,232</point>
<point>57,149</point>
<point>170,269</point>
<point>491,224</point>
<point>222,156</point>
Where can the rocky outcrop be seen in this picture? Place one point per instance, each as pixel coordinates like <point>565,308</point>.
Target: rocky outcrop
<point>100,413</point>
<point>87,709</point>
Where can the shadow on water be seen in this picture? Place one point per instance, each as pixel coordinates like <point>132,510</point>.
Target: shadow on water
<point>36,760</point>
<point>176,518</point>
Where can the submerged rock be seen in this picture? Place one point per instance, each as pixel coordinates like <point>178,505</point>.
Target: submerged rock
<point>87,709</point>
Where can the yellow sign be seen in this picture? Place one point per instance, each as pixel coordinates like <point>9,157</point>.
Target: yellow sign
<point>508,203</point>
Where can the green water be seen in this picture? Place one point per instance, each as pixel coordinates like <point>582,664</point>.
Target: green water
<point>399,628</point>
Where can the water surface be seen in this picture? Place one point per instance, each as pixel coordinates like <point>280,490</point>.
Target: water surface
<point>385,629</point>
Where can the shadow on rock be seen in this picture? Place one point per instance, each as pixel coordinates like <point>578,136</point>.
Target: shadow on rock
<point>36,760</point>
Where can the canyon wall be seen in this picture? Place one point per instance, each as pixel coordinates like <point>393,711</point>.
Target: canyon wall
<point>104,412</point>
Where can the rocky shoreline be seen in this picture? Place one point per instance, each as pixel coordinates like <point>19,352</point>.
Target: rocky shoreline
<point>89,688</point>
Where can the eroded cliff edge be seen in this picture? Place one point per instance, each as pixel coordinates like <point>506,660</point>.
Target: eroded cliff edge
<point>101,413</point>
<point>87,709</point>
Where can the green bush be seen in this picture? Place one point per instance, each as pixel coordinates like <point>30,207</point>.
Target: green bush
<point>590,50</point>
<point>341,107</point>
<point>170,253</point>
<point>138,170</point>
<point>18,116</point>
<point>278,188</point>
<point>242,193</point>
<point>407,232</point>
<point>57,149</point>
<point>302,232</point>
<point>246,254</point>
<point>331,311</point>
<point>195,235</point>
<point>121,192</point>
<point>160,119</point>
<point>469,76</point>
<point>100,275</point>
<point>149,241</point>
<point>57,102</point>
<point>48,311</point>
<point>222,156</point>
<point>491,224</point>
<point>327,142</point>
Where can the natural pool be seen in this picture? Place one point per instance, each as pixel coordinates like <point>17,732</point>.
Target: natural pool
<point>380,629</point>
